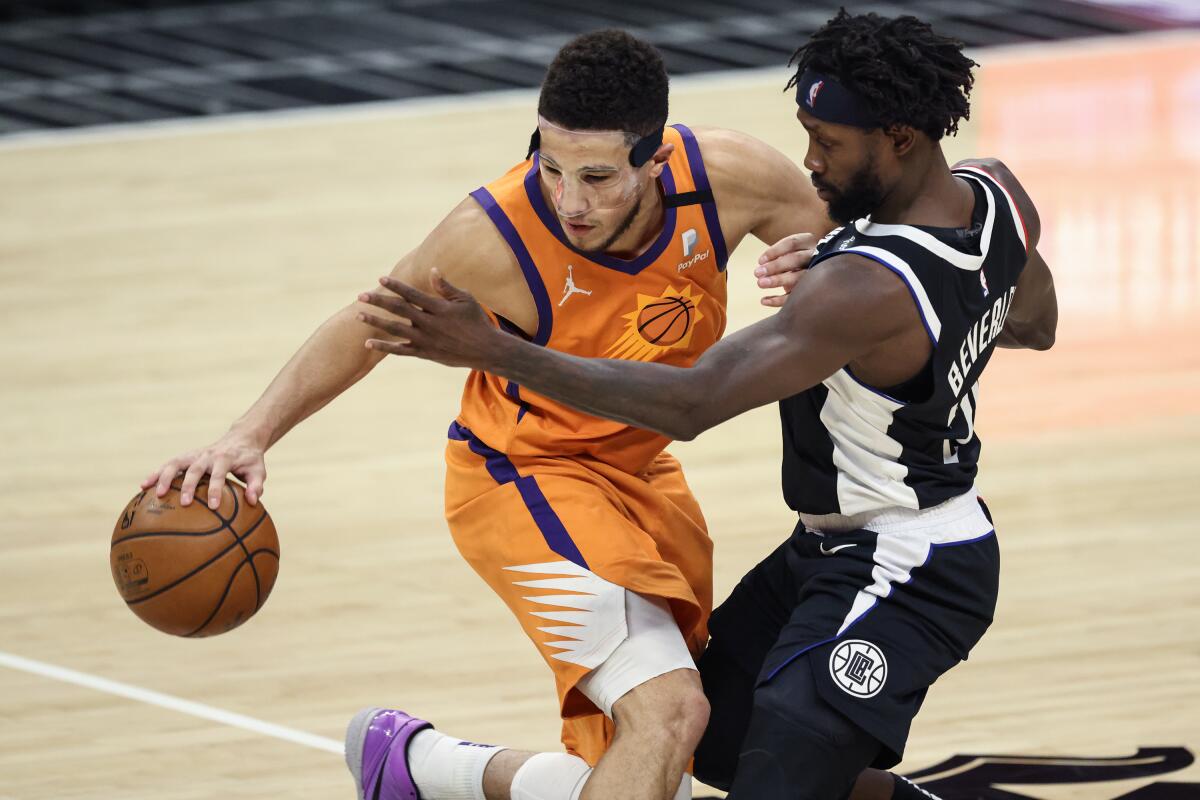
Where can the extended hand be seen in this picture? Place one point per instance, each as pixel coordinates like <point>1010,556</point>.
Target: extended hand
<point>451,329</point>
<point>782,265</point>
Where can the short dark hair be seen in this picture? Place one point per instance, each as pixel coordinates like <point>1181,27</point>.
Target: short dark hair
<point>606,80</point>
<point>906,73</point>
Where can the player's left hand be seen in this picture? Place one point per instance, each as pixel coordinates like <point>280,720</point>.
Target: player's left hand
<point>450,327</point>
<point>782,264</point>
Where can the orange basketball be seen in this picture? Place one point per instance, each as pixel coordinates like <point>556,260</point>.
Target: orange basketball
<point>664,322</point>
<point>190,570</point>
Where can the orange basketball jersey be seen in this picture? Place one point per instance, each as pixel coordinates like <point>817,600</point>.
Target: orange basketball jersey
<point>666,305</point>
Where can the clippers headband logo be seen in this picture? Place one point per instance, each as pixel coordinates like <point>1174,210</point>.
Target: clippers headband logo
<point>858,668</point>
<point>813,91</point>
<point>658,324</point>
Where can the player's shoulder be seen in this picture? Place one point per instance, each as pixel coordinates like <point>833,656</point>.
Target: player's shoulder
<point>467,245</point>
<point>1005,177</point>
<point>741,165</point>
<point>468,228</point>
<point>725,150</point>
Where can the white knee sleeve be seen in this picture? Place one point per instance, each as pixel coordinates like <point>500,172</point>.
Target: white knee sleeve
<point>653,647</point>
<point>550,776</point>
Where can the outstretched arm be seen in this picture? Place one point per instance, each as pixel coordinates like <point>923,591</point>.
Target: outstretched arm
<point>330,362</point>
<point>837,312</point>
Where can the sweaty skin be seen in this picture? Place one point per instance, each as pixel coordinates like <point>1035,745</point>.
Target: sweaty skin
<point>758,192</point>
<point>846,310</point>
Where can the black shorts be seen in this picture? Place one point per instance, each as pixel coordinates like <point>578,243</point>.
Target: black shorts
<point>878,617</point>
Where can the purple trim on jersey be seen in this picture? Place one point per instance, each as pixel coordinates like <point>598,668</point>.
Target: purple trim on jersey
<point>528,268</point>
<point>804,650</point>
<point>899,274</point>
<point>549,219</point>
<point>504,471</point>
<point>871,388</point>
<point>513,390</point>
<point>700,176</point>
<point>964,541</point>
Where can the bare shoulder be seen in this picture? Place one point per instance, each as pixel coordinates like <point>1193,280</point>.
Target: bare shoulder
<point>861,275</point>
<point>739,160</point>
<point>468,249</point>
<point>759,189</point>
<point>468,234</point>
<point>1000,171</point>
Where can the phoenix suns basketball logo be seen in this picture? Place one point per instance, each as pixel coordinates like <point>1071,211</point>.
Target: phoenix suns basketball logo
<point>658,324</point>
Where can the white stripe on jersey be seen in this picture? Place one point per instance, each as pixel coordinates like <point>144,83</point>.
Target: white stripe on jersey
<point>870,474</point>
<point>932,243</point>
<point>901,267</point>
<point>1018,220</point>
<point>903,547</point>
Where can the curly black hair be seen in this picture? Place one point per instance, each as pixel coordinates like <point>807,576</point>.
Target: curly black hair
<point>906,73</point>
<point>606,80</point>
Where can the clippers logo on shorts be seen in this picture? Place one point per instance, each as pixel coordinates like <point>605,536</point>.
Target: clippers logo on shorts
<point>813,91</point>
<point>658,324</point>
<point>858,668</point>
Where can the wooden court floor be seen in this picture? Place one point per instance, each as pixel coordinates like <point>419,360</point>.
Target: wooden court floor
<point>151,282</point>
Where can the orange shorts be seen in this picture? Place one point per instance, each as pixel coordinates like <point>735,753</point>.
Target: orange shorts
<point>560,539</point>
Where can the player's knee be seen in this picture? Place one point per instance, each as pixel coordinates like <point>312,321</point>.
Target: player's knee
<point>807,746</point>
<point>806,712</point>
<point>671,708</point>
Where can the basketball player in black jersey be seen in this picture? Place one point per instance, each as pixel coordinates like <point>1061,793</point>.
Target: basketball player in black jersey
<point>822,655</point>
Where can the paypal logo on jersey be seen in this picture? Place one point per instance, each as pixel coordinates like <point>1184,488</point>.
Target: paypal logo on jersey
<point>689,238</point>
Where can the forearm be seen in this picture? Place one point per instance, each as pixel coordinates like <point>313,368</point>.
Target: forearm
<point>656,397</point>
<point>331,361</point>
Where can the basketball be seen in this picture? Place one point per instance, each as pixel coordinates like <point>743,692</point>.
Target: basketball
<point>664,322</point>
<point>190,570</point>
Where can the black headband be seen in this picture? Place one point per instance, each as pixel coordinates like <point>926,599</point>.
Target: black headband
<point>825,98</point>
<point>641,152</point>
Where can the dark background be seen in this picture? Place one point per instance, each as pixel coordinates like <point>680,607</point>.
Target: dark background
<point>66,64</point>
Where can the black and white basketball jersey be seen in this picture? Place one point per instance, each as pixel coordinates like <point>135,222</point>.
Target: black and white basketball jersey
<point>851,448</point>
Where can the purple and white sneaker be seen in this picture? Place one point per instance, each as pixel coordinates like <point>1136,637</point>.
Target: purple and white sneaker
<point>377,753</point>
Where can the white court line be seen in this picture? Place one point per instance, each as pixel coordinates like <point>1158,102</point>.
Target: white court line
<point>173,703</point>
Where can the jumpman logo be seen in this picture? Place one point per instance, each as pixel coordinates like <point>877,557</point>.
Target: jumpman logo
<point>571,288</point>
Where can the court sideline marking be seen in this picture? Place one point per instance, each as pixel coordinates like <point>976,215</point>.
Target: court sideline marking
<point>161,700</point>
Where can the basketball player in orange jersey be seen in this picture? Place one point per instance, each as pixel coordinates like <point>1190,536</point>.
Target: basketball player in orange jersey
<point>824,652</point>
<point>610,239</point>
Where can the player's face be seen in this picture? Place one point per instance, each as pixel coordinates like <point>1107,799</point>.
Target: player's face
<point>845,166</point>
<point>594,190</point>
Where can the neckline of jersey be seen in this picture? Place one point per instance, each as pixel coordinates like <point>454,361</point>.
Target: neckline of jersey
<point>920,234</point>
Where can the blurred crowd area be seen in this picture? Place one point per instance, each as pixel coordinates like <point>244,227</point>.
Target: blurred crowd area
<point>69,64</point>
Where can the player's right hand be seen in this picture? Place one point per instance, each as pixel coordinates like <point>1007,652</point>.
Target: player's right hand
<point>233,453</point>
